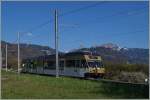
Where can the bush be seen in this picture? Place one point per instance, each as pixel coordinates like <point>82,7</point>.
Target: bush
<point>133,77</point>
<point>127,72</point>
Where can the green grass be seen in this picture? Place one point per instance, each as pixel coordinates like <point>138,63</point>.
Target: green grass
<point>26,86</point>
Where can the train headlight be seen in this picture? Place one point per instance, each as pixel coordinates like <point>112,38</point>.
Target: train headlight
<point>23,65</point>
<point>146,80</point>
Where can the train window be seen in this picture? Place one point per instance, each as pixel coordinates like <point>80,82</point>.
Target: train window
<point>95,64</point>
<point>50,65</point>
<point>99,64</point>
<point>45,65</point>
<point>91,64</point>
<point>31,65</point>
<point>83,64</point>
<point>28,65</point>
<point>34,64</point>
<point>77,63</point>
<point>70,63</point>
<point>61,64</point>
<point>39,63</point>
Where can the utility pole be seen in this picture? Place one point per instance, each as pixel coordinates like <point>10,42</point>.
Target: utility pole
<point>56,43</point>
<point>18,52</point>
<point>6,57</point>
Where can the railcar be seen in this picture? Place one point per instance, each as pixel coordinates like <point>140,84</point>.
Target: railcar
<point>75,64</point>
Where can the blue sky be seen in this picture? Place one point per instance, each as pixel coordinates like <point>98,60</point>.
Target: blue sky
<point>83,23</point>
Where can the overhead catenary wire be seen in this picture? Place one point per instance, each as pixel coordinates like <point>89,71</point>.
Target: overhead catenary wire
<point>114,14</point>
<point>89,22</point>
<point>135,32</point>
<point>70,12</point>
<point>128,33</point>
<point>84,8</point>
<point>109,16</point>
<point>61,15</point>
<point>66,13</point>
<point>96,20</point>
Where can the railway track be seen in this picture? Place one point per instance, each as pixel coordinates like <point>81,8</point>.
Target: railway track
<point>115,81</point>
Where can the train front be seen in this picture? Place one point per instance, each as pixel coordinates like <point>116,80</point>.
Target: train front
<point>95,66</point>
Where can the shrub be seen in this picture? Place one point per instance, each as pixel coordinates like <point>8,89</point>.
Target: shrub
<point>133,77</point>
<point>127,72</point>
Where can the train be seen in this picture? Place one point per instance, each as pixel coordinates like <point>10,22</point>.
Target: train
<point>74,64</point>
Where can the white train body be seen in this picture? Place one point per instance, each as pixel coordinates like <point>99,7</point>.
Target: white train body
<point>72,64</point>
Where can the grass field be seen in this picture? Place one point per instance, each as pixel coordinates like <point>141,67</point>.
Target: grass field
<point>26,86</point>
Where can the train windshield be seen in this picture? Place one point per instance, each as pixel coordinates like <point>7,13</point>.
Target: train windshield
<point>95,64</point>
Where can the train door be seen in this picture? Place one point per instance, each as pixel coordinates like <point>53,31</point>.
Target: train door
<point>77,67</point>
<point>84,67</point>
<point>61,68</point>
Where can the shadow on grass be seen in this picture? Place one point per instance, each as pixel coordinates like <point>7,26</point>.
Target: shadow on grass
<point>125,90</point>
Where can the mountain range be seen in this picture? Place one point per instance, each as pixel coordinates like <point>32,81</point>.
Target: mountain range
<point>111,53</point>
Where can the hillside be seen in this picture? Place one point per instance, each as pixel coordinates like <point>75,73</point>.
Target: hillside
<point>111,53</point>
<point>26,51</point>
<point>28,86</point>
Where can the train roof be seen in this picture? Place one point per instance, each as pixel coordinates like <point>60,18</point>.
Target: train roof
<point>62,55</point>
<point>82,53</point>
<point>79,53</point>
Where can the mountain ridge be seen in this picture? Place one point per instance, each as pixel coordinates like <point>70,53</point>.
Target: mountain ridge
<point>109,52</point>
